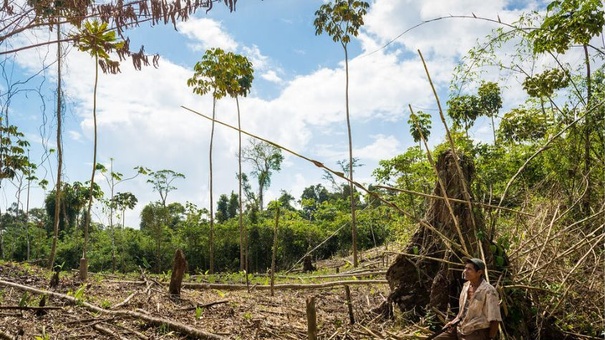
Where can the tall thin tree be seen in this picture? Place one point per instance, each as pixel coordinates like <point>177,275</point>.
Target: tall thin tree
<point>209,75</point>
<point>53,250</point>
<point>98,41</point>
<point>341,20</point>
<point>244,75</point>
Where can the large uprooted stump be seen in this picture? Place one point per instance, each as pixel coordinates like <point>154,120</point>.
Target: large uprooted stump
<point>428,282</point>
<point>426,279</point>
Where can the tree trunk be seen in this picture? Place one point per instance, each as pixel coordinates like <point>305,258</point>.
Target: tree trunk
<point>428,281</point>
<point>242,251</point>
<point>56,219</point>
<point>308,264</point>
<point>211,186</point>
<point>179,267</point>
<point>84,259</point>
<point>351,185</point>
<point>426,278</point>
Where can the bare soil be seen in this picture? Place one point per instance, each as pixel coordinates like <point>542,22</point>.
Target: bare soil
<point>230,311</point>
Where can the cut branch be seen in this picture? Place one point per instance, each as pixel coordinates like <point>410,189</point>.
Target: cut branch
<point>282,286</point>
<point>173,325</point>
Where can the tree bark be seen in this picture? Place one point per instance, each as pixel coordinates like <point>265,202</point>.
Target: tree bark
<point>56,219</point>
<point>179,267</point>
<point>311,319</point>
<point>423,283</point>
<point>426,278</point>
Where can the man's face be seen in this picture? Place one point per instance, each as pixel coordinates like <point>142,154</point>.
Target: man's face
<point>470,274</point>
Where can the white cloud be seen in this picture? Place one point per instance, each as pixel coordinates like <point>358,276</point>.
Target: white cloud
<point>207,33</point>
<point>382,147</point>
<point>74,135</point>
<point>431,25</point>
<point>141,122</point>
<point>271,76</point>
<point>256,57</point>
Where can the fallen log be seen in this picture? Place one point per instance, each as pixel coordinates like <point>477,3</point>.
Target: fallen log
<point>221,286</point>
<point>173,325</point>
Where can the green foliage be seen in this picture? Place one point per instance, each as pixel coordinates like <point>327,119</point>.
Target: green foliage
<point>420,126</point>
<point>44,335</point>
<point>13,152</point>
<point>490,99</point>
<point>124,200</point>
<point>222,73</point>
<point>546,83</point>
<point>341,19</point>
<point>78,294</point>
<point>568,22</point>
<point>98,40</point>
<point>312,196</point>
<point>265,158</point>
<point>227,207</point>
<point>522,125</point>
<point>105,304</point>
<point>24,301</point>
<point>162,182</point>
<point>464,110</point>
<point>409,171</point>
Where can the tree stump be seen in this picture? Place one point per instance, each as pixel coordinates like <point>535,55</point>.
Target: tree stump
<point>308,264</point>
<point>428,281</point>
<point>54,280</point>
<point>83,269</point>
<point>179,268</point>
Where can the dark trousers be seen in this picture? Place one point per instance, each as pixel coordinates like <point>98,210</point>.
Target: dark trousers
<point>480,334</point>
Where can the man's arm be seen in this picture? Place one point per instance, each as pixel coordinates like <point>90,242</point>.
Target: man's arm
<point>493,329</point>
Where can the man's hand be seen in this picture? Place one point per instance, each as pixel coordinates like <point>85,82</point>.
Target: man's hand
<point>450,325</point>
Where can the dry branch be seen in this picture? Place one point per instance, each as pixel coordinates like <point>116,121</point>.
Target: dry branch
<point>349,304</point>
<point>176,326</point>
<point>108,332</point>
<point>30,307</point>
<point>129,330</point>
<point>125,300</point>
<point>452,199</point>
<point>221,286</point>
<point>331,276</point>
<point>204,305</point>
<point>5,336</point>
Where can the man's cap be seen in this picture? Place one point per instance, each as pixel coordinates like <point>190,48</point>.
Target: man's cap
<point>478,263</point>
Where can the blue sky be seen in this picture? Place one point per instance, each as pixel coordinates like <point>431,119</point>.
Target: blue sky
<point>297,99</point>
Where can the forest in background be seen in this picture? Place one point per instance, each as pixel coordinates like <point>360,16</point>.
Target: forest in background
<point>540,185</point>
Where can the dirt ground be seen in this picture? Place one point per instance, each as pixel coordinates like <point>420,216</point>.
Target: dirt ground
<point>98,309</point>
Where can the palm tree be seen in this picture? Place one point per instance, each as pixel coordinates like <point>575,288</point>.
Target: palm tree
<point>98,41</point>
<point>341,20</point>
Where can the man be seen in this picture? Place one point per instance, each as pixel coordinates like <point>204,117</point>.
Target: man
<point>479,314</point>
